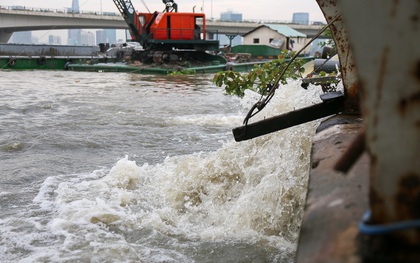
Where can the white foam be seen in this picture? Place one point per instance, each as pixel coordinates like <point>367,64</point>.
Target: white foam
<point>250,192</point>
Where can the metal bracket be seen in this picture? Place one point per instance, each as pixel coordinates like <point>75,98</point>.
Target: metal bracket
<point>333,103</point>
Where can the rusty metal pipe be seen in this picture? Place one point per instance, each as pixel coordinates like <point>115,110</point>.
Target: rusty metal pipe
<point>348,69</point>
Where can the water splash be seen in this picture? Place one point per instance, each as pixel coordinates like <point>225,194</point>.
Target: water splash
<point>242,202</point>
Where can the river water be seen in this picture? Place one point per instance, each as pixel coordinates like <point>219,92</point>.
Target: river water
<point>116,167</point>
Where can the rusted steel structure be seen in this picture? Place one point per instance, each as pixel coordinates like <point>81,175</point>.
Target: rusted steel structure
<point>379,51</point>
<point>348,70</point>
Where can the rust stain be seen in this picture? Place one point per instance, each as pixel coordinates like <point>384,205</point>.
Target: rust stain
<point>351,103</point>
<point>380,84</point>
<point>352,90</point>
<point>377,205</point>
<point>405,103</point>
<point>407,199</point>
<point>342,245</point>
<point>343,47</point>
<point>382,71</point>
<point>415,19</point>
<point>362,84</point>
<point>394,8</point>
<point>376,201</point>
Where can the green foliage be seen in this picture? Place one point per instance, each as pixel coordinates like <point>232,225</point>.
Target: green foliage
<point>328,33</point>
<point>262,78</point>
<point>329,39</point>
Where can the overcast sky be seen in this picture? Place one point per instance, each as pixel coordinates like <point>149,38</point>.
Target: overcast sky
<point>281,10</point>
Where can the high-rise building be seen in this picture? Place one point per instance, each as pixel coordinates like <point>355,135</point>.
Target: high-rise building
<point>75,5</point>
<point>300,18</point>
<point>87,39</point>
<point>106,36</point>
<point>111,35</point>
<point>24,37</point>
<point>100,37</point>
<point>231,40</point>
<point>231,16</point>
<point>54,40</point>
<point>74,35</point>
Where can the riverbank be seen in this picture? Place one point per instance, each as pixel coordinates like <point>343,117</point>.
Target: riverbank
<point>335,201</point>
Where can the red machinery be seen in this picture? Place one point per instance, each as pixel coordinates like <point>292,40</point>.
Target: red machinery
<point>168,35</point>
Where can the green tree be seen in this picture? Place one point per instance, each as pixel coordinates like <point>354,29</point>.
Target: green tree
<point>262,78</point>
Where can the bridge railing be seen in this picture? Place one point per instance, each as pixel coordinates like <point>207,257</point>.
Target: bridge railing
<point>69,11</point>
<point>271,21</point>
<point>61,10</point>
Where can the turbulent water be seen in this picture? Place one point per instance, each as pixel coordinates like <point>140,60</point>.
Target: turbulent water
<point>115,167</point>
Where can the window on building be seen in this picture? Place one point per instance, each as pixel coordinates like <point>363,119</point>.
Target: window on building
<point>256,41</point>
<point>270,40</point>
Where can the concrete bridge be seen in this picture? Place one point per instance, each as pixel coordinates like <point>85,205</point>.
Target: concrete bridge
<point>14,19</point>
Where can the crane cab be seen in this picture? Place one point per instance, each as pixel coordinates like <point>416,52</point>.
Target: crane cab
<point>178,30</point>
<point>178,26</point>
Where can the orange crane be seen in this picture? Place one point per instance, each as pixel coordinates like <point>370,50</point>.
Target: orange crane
<point>169,35</point>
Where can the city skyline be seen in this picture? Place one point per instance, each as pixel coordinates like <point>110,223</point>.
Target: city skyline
<point>74,36</point>
<point>87,37</point>
<point>281,10</point>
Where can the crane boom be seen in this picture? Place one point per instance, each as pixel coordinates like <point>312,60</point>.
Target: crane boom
<point>131,17</point>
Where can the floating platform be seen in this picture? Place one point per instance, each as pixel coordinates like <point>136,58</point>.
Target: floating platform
<point>212,67</point>
<point>106,64</point>
<point>103,64</point>
<point>121,67</point>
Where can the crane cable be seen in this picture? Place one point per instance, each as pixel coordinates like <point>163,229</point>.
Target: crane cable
<point>272,87</point>
<point>145,6</point>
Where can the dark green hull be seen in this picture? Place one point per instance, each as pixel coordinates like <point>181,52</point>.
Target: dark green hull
<point>95,64</point>
<point>118,67</point>
<point>43,62</point>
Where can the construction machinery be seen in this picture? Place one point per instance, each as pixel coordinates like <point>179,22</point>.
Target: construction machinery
<point>169,36</point>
